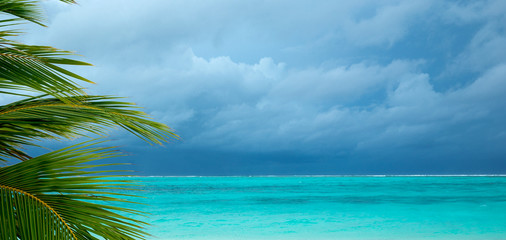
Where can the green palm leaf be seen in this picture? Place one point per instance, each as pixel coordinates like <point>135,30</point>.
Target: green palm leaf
<point>53,118</point>
<point>59,193</point>
<point>25,9</point>
<point>27,217</point>
<point>33,68</point>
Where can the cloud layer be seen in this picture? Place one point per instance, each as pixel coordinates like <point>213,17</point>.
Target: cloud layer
<point>390,86</point>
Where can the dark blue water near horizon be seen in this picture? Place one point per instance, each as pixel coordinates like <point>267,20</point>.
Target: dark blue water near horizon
<point>326,207</point>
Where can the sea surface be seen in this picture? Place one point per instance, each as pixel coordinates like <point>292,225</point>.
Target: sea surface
<point>325,207</point>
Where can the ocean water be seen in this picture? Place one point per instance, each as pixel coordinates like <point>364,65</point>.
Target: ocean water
<point>367,208</point>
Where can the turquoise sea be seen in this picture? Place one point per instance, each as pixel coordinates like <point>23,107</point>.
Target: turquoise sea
<point>326,207</point>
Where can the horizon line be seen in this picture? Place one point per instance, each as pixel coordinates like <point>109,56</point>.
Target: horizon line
<point>336,175</point>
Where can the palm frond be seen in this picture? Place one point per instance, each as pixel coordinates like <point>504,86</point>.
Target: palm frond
<point>62,184</point>
<point>35,68</point>
<point>32,67</point>
<point>27,217</point>
<point>24,9</point>
<point>57,195</point>
<point>52,118</point>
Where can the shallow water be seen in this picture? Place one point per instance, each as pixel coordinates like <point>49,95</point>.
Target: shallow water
<point>325,207</point>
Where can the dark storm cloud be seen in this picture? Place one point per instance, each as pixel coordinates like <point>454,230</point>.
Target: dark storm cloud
<point>345,86</point>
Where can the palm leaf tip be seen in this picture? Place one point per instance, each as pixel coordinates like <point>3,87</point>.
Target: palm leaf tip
<point>35,68</point>
<point>24,9</point>
<point>44,117</point>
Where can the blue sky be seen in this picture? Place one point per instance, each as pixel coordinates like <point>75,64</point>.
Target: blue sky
<point>300,87</point>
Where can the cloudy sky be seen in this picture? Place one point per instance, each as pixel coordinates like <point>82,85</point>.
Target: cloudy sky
<point>299,87</point>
